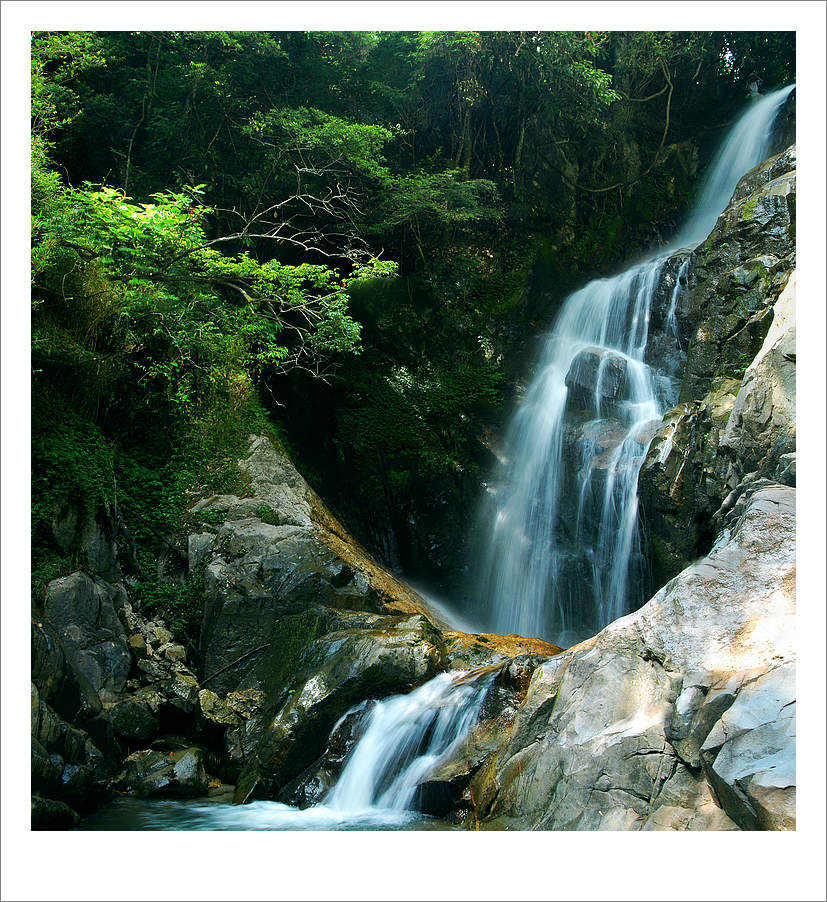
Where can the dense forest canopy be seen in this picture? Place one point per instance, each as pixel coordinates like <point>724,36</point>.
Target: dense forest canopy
<point>337,235</point>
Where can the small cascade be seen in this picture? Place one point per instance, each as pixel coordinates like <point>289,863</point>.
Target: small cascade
<point>404,739</point>
<point>564,555</point>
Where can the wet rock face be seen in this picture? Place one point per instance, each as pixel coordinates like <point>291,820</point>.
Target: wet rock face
<point>135,719</point>
<point>59,680</point>
<point>370,658</point>
<point>738,273</point>
<point>444,792</point>
<point>313,784</point>
<point>74,751</point>
<point>679,716</point>
<point>596,377</point>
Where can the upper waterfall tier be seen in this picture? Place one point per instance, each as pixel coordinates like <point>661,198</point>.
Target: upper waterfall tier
<point>745,146</point>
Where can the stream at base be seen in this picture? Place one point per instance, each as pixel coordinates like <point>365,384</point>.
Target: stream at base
<point>402,740</point>
<point>211,814</point>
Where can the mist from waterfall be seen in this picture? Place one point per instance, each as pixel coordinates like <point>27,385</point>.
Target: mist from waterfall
<point>563,569</point>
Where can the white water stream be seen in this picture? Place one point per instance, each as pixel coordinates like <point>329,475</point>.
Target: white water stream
<point>406,737</point>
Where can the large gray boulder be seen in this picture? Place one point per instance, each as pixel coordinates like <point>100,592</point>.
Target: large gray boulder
<point>678,716</point>
<point>277,553</point>
<point>84,612</point>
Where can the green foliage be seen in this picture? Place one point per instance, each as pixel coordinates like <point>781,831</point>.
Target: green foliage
<point>72,471</point>
<point>442,197</point>
<point>226,197</point>
<point>322,141</point>
<point>133,287</point>
<point>181,606</point>
<point>59,58</point>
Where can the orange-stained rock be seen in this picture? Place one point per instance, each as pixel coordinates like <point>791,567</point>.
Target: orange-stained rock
<point>464,650</point>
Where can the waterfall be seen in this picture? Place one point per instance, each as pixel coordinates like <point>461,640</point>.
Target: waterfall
<point>402,740</point>
<point>593,370</point>
<point>564,554</point>
<point>746,145</point>
<point>405,738</point>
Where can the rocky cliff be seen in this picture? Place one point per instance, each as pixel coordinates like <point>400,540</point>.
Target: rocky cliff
<point>735,420</point>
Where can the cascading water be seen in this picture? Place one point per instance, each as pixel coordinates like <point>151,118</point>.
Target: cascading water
<point>746,145</point>
<point>564,557</point>
<point>593,358</point>
<point>405,738</point>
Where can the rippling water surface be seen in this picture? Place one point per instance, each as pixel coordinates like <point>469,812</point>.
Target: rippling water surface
<point>209,814</point>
